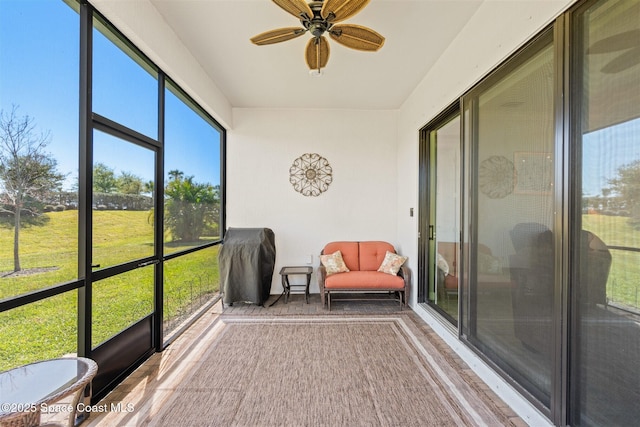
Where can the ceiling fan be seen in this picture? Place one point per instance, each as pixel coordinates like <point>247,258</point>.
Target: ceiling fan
<point>626,42</point>
<point>318,18</point>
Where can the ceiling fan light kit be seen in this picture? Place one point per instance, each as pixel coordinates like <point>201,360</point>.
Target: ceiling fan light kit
<point>318,18</point>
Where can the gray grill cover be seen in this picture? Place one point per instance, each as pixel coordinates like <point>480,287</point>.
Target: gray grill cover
<point>246,261</point>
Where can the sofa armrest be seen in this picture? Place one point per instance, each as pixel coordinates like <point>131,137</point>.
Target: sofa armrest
<point>322,275</point>
<point>405,273</point>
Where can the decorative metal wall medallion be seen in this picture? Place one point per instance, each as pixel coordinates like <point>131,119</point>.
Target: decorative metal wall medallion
<point>310,174</point>
<point>495,177</point>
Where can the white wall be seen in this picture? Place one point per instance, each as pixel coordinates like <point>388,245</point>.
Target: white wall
<point>360,203</point>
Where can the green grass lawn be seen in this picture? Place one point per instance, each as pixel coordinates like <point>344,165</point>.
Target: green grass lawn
<point>623,286</point>
<point>48,328</point>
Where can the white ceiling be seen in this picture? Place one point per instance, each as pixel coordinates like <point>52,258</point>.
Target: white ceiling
<point>217,34</point>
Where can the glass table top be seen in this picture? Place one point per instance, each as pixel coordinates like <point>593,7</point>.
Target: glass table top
<point>35,382</point>
<point>296,270</point>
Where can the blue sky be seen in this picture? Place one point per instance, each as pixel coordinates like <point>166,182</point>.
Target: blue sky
<point>39,74</point>
<point>605,151</point>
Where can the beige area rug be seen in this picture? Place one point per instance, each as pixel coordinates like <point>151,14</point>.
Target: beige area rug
<point>321,371</point>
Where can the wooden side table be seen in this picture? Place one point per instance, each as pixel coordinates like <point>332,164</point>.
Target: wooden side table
<point>285,272</point>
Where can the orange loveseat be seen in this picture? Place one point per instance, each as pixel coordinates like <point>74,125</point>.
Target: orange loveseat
<point>363,260</point>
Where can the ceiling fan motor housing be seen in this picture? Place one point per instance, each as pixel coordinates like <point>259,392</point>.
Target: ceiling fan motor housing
<point>317,28</point>
<point>316,25</point>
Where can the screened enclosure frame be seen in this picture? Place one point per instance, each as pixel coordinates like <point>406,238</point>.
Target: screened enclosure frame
<point>88,122</point>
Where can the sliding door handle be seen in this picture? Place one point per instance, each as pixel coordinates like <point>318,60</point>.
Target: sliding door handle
<point>144,264</point>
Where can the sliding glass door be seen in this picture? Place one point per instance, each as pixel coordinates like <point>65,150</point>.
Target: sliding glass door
<point>605,379</point>
<point>510,257</point>
<point>440,213</point>
<point>548,255</point>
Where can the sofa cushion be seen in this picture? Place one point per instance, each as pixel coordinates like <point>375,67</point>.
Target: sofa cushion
<point>451,283</point>
<point>392,263</point>
<point>363,280</point>
<point>372,254</point>
<point>349,250</point>
<point>334,263</point>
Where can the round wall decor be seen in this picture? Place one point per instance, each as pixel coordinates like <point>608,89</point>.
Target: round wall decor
<point>495,177</point>
<point>310,174</point>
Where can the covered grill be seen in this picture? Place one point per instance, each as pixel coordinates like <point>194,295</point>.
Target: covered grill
<point>247,260</point>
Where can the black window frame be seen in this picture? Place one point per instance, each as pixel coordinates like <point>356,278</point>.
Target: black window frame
<point>88,121</point>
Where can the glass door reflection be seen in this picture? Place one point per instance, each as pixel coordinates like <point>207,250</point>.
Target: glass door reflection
<point>444,222</point>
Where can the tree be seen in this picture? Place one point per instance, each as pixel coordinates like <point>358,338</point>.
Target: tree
<point>28,174</point>
<point>190,206</point>
<point>122,192</point>
<point>175,174</point>
<point>148,187</point>
<point>128,183</point>
<point>104,179</point>
<point>627,186</point>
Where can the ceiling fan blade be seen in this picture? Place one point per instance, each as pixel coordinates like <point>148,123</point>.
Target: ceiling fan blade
<point>356,37</point>
<point>623,61</point>
<point>295,7</point>
<point>317,53</point>
<point>624,40</point>
<point>341,9</point>
<point>277,36</point>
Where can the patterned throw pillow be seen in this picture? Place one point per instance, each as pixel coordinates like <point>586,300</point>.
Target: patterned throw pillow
<point>489,264</point>
<point>334,263</point>
<point>392,263</point>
